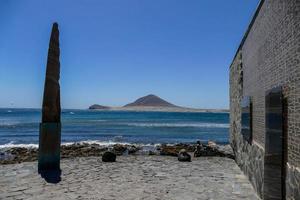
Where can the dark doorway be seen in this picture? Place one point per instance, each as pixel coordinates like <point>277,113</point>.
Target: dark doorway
<point>275,145</point>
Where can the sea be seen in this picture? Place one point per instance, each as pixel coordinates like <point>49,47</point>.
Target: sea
<point>20,127</point>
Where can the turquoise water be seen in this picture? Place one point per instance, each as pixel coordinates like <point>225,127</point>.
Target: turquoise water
<point>21,127</point>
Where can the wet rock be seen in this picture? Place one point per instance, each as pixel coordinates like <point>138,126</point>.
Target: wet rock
<point>133,149</point>
<point>20,154</point>
<point>212,149</point>
<point>168,151</point>
<point>205,150</point>
<point>109,156</point>
<point>184,156</point>
<point>152,153</point>
<point>227,151</point>
<point>187,147</point>
<point>119,149</point>
<point>173,150</point>
<point>211,144</point>
<point>6,156</point>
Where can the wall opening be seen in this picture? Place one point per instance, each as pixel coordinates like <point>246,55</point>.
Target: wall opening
<point>275,145</point>
<point>247,119</point>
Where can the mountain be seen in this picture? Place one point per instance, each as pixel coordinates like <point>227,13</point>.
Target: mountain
<point>98,107</point>
<point>150,100</point>
<point>153,103</point>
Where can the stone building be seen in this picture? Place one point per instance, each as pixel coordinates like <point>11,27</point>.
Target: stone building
<point>265,100</point>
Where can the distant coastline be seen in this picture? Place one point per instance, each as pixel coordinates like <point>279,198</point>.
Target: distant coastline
<point>162,109</point>
<point>155,104</point>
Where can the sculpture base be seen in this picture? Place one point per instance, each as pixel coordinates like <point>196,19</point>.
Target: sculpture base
<point>49,147</point>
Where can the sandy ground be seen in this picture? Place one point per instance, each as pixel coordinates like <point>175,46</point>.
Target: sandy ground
<point>131,177</point>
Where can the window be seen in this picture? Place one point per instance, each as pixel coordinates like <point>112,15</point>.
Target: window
<point>247,119</point>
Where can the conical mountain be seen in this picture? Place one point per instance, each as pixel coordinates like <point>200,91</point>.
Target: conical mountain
<point>150,100</point>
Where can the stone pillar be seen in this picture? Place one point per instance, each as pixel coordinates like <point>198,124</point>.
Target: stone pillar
<point>50,127</point>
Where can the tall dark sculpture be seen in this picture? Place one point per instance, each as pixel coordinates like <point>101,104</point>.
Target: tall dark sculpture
<point>50,128</point>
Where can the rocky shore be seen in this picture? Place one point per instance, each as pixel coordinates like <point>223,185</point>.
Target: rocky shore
<point>15,155</point>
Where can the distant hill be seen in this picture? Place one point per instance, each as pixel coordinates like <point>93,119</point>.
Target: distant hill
<point>150,100</point>
<point>98,107</point>
<point>151,103</point>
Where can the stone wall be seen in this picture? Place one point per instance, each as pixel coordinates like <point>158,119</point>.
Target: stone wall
<point>269,56</point>
<point>248,157</point>
<point>293,182</point>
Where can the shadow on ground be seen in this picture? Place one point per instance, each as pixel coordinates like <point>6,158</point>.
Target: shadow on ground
<point>51,176</point>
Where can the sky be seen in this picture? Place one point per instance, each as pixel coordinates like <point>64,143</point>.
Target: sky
<point>115,51</point>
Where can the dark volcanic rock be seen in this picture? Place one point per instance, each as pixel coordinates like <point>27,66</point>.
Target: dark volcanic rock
<point>82,150</point>
<point>150,100</point>
<point>152,153</point>
<point>98,107</point>
<point>168,151</point>
<point>173,150</point>
<point>212,150</point>
<point>109,156</point>
<point>133,149</point>
<point>20,154</point>
<point>119,149</point>
<point>184,156</point>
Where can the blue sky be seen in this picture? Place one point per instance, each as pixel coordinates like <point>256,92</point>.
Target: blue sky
<point>114,51</point>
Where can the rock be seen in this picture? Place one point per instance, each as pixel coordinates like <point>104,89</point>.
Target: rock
<point>152,153</point>
<point>187,147</point>
<point>20,154</point>
<point>183,156</point>
<point>119,149</point>
<point>133,149</point>
<point>212,149</point>
<point>205,150</point>
<point>211,144</point>
<point>6,156</point>
<point>173,150</point>
<point>168,151</point>
<point>109,156</point>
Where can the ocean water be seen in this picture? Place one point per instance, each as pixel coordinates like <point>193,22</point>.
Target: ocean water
<point>20,127</point>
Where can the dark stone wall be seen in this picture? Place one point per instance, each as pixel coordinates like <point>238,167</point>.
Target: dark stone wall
<point>249,157</point>
<point>269,57</point>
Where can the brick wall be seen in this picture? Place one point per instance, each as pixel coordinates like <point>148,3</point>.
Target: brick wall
<point>269,56</point>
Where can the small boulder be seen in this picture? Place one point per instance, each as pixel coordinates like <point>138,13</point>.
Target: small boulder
<point>212,144</point>
<point>119,149</point>
<point>109,156</point>
<point>152,153</point>
<point>187,147</point>
<point>133,149</point>
<point>166,150</point>
<point>199,150</point>
<point>183,156</point>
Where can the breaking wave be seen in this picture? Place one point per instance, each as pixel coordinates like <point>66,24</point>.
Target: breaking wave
<point>101,143</point>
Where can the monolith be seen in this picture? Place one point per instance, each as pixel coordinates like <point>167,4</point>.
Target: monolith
<point>50,127</point>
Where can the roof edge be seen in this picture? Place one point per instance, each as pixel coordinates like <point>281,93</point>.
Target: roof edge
<point>248,29</point>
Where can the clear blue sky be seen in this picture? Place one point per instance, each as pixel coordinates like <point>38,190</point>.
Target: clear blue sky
<point>114,51</point>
